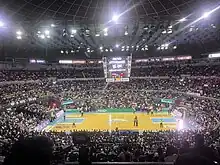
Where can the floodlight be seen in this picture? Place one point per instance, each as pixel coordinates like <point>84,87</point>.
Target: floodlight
<point>47,32</point>
<point>61,51</point>
<point>72,51</point>
<point>88,50</point>
<point>19,32</point>
<point>116,45</point>
<point>115,18</point>
<point>166,45</point>
<point>174,47</point>
<point>213,26</point>
<point>39,32</point>
<point>182,20</point>
<point>106,50</point>
<point>127,47</point>
<point>126,33</point>
<point>97,35</point>
<point>206,14</point>
<point>42,36</point>
<point>101,47</point>
<point>1,23</point>
<point>52,25</point>
<point>111,50</point>
<point>71,35</point>
<point>170,31</point>
<point>48,36</point>
<point>74,31</point>
<point>19,37</point>
<point>105,30</point>
<point>164,32</point>
<point>105,34</point>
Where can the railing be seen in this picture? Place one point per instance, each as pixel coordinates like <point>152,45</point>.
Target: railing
<point>125,163</point>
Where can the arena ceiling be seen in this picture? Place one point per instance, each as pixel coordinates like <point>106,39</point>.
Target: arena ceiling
<point>98,26</point>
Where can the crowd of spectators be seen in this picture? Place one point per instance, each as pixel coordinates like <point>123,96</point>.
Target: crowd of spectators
<point>22,110</point>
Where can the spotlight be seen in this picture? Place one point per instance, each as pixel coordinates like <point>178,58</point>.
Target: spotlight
<point>111,50</point>
<point>72,51</point>
<point>39,32</point>
<point>100,47</point>
<point>106,50</point>
<point>97,35</point>
<point>52,25</point>
<point>19,37</point>
<point>47,32</point>
<point>71,35</point>
<point>182,20</point>
<point>48,36</point>
<point>174,47</point>
<point>105,30</point>
<point>213,26</point>
<point>126,33</point>
<point>19,32</point>
<point>74,31</point>
<point>206,14</point>
<point>61,51</point>
<point>166,45</point>
<point>105,34</point>
<point>1,23</point>
<point>42,36</point>
<point>115,18</point>
<point>116,45</point>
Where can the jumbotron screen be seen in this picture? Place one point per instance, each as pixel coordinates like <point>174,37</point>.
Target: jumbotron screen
<point>117,69</point>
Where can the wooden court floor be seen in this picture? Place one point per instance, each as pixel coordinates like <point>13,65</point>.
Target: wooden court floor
<point>109,121</point>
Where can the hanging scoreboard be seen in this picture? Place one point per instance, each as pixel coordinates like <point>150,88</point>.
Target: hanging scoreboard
<point>117,69</point>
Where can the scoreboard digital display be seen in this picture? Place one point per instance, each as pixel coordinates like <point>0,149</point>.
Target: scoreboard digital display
<point>117,69</point>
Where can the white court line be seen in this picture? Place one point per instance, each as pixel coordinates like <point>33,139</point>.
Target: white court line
<point>110,122</point>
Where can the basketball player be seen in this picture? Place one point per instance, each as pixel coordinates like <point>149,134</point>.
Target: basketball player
<point>152,111</point>
<point>161,123</point>
<point>81,113</point>
<point>135,121</point>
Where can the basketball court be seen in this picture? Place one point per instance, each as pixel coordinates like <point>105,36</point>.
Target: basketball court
<point>111,121</point>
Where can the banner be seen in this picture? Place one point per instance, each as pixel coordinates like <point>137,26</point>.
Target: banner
<point>67,102</point>
<point>170,101</point>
